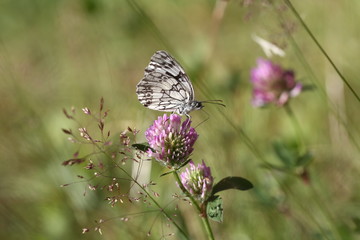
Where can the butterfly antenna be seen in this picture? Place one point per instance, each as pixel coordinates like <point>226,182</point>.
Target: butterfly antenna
<point>216,102</point>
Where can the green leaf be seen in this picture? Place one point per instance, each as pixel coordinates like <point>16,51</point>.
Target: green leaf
<point>287,154</point>
<point>290,155</point>
<point>178,168</point>
<point>167,173</point>
<point>232,183</point>
<point>304,159</point>
<point>142,147</point>
<point>214,208</point>
<point>182,165</point>
<point>273,167</point>
<point>309,87</point>
<point>356,221</point>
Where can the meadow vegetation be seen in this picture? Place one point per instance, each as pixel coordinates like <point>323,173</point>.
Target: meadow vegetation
<point>302,158</point>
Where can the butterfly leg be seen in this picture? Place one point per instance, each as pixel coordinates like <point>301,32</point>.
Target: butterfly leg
<point>188,120</point>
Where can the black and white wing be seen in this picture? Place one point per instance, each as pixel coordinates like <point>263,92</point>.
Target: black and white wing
<point>165,86</point>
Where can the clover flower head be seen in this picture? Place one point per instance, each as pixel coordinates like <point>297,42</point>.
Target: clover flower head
<point>197,180</point>
<point>171,141</point>
<point>273,84</point>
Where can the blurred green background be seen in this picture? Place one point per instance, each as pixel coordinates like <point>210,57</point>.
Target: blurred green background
<point>63,53</point>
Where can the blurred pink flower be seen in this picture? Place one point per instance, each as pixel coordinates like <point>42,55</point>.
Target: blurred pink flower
<point>273,84</point>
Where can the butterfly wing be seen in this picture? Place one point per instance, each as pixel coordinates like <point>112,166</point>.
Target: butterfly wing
<point>165,85</point>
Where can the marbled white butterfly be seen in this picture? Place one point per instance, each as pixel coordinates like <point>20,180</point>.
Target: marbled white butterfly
<point>166,87</point>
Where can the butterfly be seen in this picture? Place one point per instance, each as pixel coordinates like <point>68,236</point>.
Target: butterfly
<point>166,87</point>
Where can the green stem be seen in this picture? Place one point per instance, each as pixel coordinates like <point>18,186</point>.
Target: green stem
<point>296,124</point>
<point>203,215</point>
<point>207,226</point>
<point>297,15</point>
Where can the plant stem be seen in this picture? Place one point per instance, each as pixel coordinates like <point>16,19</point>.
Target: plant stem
<point>296,124</point>
<point>143,189</point>
<point>207,226</point>
<point>297,15</point>
<point>204,217</point>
